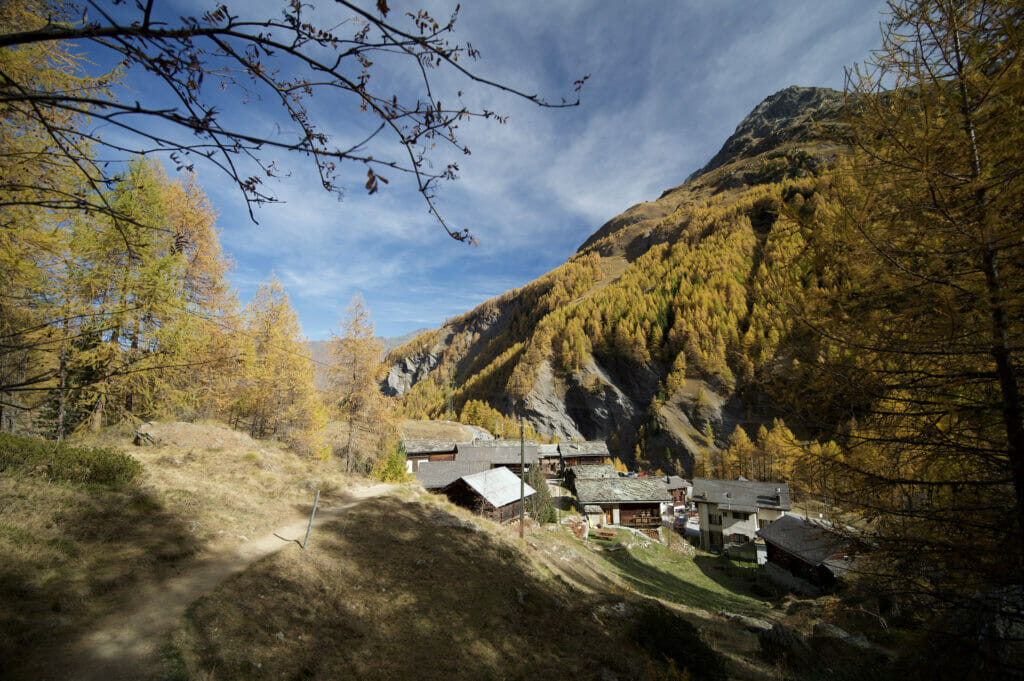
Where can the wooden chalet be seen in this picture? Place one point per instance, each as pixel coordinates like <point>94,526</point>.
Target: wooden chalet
<point>578,453</point>
<point>493,493</point>
<point>549,458</point>
<point>806,555</point>
<point>418,450</point>
<point>436,475</point>
<point>498,453</point>
<point>588,472</point>
<point>679,488</point>
<point>631,502</point>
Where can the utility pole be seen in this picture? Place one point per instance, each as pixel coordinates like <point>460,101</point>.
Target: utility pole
<point>522,473</point>
<point>451,401</point>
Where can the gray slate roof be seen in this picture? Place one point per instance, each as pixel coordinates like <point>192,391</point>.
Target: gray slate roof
<point>497,443</point>
<point>616,490</point>
<point>676,482</point>
<point>415,446</point>
<point>588,448</point>
<point>589,471</point>
<point>813,541</point>
<point>438,474</point>
<point>741,495</point>
<point>548,451</point>
<point>506,454</point>
<point>499,486</point>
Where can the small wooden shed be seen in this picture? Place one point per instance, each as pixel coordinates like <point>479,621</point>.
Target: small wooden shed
<point>419,450</point>
<point>493,493</point>
<point>586,452</point>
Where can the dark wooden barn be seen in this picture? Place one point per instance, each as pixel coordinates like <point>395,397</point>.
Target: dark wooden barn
<point>493,493</point>
<point>811,551</point>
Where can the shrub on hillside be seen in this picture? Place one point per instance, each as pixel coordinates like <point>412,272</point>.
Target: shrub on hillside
<point>61,461</point>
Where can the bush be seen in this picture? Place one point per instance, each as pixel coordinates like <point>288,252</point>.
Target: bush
<point>61,461</point>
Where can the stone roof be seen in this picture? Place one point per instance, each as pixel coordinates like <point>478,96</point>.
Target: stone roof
<point>741,495</point>
<point>615,490</point>
<point>676,482</point>
<point>815,542</point>
<point>499,486</point>
<point>586,448</point>
<point>438,474</point>
<point>497,443</point>
<point>591,471</point>
<point>548,451</point>
<point>427,446</point>
<point>506,454</point>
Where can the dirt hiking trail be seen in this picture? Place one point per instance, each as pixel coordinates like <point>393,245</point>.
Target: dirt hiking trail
<point>127,645</point>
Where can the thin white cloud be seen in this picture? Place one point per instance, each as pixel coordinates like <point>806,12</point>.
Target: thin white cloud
<point>669,82</point>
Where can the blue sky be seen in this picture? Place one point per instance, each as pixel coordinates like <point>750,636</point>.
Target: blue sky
<point>669,81</point>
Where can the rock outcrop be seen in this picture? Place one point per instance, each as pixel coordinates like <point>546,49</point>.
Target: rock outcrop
<point>795,114</point>
<point>407,372</point>
<point>782,644</point>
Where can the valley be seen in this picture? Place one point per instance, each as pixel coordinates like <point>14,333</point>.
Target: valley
<point>194,584</point>
<point>767,423</point>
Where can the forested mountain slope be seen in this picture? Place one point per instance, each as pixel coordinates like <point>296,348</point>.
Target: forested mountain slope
<point>657,333</point>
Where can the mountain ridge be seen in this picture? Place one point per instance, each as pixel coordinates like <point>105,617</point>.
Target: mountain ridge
<point>651,334</point>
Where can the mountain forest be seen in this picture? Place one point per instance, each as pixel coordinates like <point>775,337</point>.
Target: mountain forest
<point>834,301</point>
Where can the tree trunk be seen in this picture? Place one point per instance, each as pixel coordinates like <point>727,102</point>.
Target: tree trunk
<point>62,388</point>
<point>96,421</point>
<point>348,447</point>
<point>1001,353</point>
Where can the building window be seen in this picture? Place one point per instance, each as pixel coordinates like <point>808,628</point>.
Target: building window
<point>715,518</point>
<point>739,516</point>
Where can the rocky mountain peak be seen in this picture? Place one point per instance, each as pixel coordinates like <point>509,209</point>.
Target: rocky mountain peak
<point>789,115</point>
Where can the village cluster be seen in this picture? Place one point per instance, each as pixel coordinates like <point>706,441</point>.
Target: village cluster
<point>744,519</point>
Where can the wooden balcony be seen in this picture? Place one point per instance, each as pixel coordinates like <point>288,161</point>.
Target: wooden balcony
<point>644,521</point>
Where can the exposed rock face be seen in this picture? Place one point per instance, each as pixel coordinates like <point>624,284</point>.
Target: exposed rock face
<point>789,115</point>
<point>463,339</point>
<point>546,406</point>
<point>586,405</point>
<point>407,372</point>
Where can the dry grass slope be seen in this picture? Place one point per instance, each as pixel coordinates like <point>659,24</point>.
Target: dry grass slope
<point>418,589</point>
<point>76,553</point>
